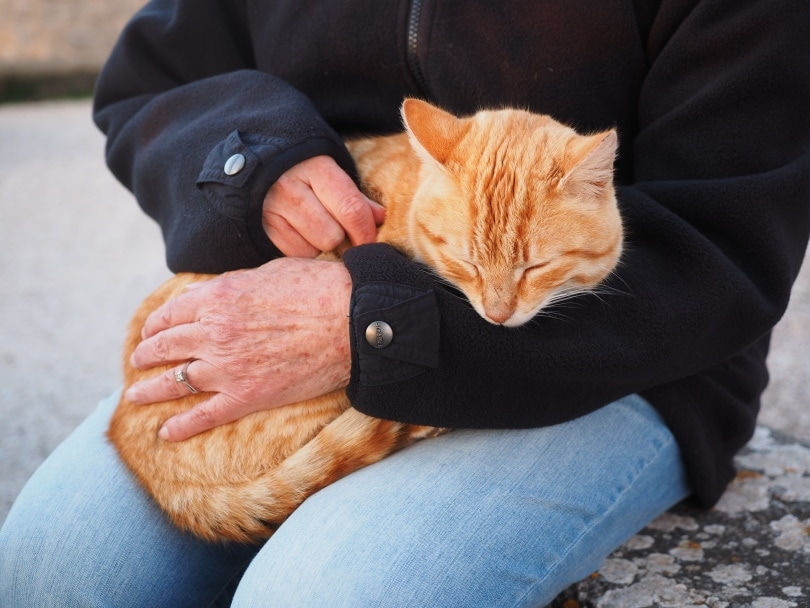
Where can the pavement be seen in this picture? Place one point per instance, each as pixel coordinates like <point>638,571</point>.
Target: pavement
<point>752,550</point>
<point>78,255</point>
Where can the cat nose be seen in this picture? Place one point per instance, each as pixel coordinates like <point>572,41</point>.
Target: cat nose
<point>499,302</point>
<point>499,314</point>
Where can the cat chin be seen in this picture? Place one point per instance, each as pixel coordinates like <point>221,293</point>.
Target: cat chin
<point>513,321</point>
<point>518,319</point>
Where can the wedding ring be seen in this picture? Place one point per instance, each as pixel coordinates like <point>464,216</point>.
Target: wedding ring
<point>181,376</point>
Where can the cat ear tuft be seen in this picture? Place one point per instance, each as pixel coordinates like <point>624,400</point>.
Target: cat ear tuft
<point>592,169</point>
<point>434,133</point>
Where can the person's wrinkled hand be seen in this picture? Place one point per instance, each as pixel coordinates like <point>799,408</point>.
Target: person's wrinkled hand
<point>314,206</point>
<point>257,339</point>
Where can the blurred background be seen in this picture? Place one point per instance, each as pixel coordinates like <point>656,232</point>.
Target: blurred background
<point>76,252</point>
<point>55,47</point>
<point>77,255</point>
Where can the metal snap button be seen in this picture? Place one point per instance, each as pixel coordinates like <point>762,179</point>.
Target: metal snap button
<point>379,334</point>
<point>234,164</point>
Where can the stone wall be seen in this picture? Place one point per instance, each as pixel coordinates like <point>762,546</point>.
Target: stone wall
<point>43,38</point>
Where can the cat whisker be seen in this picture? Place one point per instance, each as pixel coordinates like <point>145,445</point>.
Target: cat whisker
<point>547,314</point>
<point>565,296</point>
<point>602,291</point>
<point>453,290</point>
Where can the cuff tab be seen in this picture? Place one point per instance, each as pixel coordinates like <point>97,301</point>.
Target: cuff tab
<point>403,325</point>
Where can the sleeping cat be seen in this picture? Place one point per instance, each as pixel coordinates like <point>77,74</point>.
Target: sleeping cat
<point>512,208</point>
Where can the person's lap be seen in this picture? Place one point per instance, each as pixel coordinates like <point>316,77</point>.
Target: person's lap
<point>83,533</point>
<point>489,518</point>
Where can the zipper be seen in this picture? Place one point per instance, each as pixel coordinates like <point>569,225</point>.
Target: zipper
<point>412,48</point>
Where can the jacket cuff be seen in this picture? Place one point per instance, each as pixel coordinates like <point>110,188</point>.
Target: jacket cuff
<point>393,293</point>
<point>241,169</point>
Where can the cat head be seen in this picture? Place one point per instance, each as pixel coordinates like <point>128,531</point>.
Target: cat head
<point>514,208</point>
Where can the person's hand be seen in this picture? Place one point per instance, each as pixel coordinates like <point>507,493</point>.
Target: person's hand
<point>257,338</point>
<point>314,206</point>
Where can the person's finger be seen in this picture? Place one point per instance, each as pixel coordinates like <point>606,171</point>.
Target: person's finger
<point>351,208</point>
<point>312,223</point>
<point>166,386</point>
<point>286,238</point>
<point>378,211</point>
<point>176,343</point>
<point>177,311</point>
<point>217,410</point>
<point>293,200</point>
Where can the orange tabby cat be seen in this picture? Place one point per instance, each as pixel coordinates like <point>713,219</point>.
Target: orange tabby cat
<point>513,208</point>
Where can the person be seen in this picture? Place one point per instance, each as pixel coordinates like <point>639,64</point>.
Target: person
<point>226,120</point>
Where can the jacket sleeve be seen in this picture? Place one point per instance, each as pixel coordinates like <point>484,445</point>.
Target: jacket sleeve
<point>177,98</point>
<point>717,219</point>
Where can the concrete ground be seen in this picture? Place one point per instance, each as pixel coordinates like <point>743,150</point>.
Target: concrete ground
<point>78,255</point>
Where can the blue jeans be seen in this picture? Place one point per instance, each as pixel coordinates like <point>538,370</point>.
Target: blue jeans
<point>473,518</point>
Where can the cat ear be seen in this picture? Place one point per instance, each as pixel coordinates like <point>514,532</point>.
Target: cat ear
<point>434,133</point>
<point>592,170</point>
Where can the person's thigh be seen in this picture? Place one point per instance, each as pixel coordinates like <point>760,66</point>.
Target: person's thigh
<point>474,518</point>
<point>82,533</point>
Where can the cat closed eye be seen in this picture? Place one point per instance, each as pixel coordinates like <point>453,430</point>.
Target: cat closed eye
<point>537,267</point>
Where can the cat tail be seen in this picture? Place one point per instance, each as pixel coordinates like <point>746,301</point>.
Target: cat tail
<point>253,510</point>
